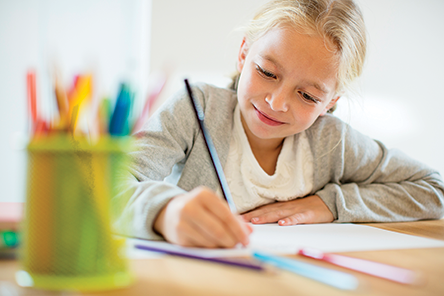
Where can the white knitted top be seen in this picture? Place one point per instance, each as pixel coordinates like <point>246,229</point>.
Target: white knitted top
<point>251,186</point>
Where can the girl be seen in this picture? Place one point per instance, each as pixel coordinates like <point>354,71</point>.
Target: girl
<point>286,159</point>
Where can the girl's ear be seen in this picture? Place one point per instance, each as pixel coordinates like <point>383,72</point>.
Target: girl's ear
<point>331,104</point>
<point>243,51</point>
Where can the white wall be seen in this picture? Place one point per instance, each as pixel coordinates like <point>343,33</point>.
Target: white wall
<point>197,39</point>
<point>401,97</point>
<point>108,37</point>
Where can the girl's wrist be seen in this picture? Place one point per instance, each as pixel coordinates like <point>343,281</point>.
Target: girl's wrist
<point>158,225</point>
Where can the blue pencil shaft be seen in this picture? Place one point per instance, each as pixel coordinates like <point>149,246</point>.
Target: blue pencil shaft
<point>212,151</point>
<point>330,277</point>
<point>121,112</point>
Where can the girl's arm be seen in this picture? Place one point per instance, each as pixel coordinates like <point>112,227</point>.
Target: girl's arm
<point>163,143</point>
<point>169,151</point>
<point>360,180</point>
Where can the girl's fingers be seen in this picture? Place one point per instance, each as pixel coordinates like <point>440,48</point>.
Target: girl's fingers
<point>192,237</point>
<point>299,218</point>
<point>213,230</point>
<point>269,213</point>
<point>270,217</point>
<point>306,210</point>
<point>250,215</point>
<point>199,218</point>
<point>232,225</point>
<point>261,211</point>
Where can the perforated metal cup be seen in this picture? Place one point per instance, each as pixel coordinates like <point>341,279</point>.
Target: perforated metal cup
<point>67,238</point>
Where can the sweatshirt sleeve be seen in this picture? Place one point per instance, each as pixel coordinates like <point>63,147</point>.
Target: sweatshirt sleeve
<point>360,180</point>
<point>161,147</point>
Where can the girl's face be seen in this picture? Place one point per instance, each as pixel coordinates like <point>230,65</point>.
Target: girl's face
<point>287,80</point>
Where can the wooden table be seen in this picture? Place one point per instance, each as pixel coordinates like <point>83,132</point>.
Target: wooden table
<point>179,276</point>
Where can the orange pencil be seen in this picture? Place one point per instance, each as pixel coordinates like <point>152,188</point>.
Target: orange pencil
<point>62,104</point>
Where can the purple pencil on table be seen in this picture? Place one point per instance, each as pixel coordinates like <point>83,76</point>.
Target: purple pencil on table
<point>232,262</point>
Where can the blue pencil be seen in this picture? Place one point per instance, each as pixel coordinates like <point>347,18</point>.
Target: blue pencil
<point>327,276</point>
<point>212,150</point>
<point>119,118</point>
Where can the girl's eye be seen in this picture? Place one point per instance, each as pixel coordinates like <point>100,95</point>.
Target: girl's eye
<point>265,72</point>
<point>307,97</point>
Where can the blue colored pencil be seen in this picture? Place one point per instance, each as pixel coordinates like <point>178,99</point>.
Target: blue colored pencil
<point>327,276</point>
<point>119,118</point>
<point>212,150</point>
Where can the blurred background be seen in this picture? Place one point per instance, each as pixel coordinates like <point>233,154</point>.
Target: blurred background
<point>398,100</point>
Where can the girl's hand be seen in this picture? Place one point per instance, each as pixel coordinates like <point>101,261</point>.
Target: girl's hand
<point>200,219</point>
<point>306,210</point>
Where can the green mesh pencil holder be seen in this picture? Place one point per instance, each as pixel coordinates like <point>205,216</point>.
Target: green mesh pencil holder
<point>67,238</point>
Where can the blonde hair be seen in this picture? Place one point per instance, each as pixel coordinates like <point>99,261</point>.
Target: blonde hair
<point>339,22</point>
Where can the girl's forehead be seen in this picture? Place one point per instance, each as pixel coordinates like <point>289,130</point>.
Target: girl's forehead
<point>289,43</point>
<point>293,31</point>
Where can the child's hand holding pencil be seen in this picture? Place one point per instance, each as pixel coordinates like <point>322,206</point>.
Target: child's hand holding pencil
<point>200,218</point>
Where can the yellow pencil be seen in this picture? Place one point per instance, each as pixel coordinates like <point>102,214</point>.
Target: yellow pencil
<point>81,93</point>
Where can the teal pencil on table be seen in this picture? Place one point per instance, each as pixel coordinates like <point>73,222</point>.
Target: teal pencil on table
<point>327,276</point>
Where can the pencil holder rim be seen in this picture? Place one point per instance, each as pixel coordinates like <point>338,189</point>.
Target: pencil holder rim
<point>62,143</point>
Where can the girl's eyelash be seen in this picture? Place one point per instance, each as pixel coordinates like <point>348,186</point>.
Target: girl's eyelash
<point>265,72</point>
<point>307,97</point>
<point>268,74</point>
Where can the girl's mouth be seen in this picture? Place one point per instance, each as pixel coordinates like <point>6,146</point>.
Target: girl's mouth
<point>267,119</point>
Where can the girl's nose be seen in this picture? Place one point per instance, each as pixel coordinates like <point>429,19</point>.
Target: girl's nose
<point>277,101</point>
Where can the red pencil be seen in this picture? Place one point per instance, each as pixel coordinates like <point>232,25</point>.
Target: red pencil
<point>32,98</point>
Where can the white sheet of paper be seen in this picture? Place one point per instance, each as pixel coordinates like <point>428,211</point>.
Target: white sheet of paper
<point>283,240</point>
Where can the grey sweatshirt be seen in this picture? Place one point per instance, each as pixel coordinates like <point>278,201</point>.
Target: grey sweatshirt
<point>358,178</point>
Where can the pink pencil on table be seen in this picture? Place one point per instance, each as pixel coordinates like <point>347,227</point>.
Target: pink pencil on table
<point>389,272</point>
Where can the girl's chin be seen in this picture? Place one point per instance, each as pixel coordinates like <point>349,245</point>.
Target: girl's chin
<point>266,134</point>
